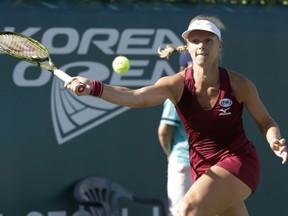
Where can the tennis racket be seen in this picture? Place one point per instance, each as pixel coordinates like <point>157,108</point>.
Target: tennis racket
<point>30,50</point>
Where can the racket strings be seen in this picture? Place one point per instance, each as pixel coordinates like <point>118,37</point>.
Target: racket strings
<point>22,47</point>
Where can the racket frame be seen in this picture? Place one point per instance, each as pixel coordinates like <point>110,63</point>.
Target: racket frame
<point>37,60</point>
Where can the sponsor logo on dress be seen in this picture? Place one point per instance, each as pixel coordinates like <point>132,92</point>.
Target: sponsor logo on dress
<point>226,103</point>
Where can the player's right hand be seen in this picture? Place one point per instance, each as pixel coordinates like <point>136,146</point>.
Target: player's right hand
<point>76,84</point>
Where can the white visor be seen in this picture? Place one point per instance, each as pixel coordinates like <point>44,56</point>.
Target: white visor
<point>203,25</point>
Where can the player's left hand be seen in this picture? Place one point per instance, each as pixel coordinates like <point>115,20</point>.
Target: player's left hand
<point>279,148</point>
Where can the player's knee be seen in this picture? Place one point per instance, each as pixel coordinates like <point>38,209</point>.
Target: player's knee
<point>190,208</point>
<point>186,208</point>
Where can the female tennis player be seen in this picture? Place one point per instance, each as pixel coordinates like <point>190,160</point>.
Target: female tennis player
<point>209,100</point>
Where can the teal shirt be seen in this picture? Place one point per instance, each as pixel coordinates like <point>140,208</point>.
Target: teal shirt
<point>180,147</point>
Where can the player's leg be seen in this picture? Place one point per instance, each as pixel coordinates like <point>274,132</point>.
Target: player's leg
<point>215,192</point>
<point>238,209</point>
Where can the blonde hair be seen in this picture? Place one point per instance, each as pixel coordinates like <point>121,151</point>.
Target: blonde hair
<point>169,49</point>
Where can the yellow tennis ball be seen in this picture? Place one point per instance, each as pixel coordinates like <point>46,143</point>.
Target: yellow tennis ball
<point>121,64</point>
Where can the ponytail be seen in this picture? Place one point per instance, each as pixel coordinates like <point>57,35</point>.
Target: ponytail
<point>169,49</point>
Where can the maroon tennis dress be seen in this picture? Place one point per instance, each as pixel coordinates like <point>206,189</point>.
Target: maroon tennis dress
<point>216,135</point>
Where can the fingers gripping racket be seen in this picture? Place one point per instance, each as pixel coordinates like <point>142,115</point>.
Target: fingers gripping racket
<point>30,50</point>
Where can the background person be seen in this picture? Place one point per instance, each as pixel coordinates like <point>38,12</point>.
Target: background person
<point>209,100</point>
<point>185,60</point>
<point>174,142</point>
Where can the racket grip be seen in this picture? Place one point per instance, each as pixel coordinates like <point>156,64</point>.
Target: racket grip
<point>62,75</point>
<point>66,78</point>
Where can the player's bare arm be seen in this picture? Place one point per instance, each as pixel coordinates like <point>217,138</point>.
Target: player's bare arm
<point>246,92</point>
<point>166,87</point>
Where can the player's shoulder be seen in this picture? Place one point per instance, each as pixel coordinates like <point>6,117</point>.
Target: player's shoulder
<point>172,79</point>
<point>174,84</point>
<point>240,84</point>
<point>238,79</point>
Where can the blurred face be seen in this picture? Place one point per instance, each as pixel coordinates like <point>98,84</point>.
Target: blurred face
<point>204,47</point>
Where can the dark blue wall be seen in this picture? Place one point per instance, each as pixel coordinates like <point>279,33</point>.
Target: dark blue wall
<point>45,151</point>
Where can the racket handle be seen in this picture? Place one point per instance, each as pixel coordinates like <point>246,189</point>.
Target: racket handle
<point>66,78</point>
<point>62,75</point>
